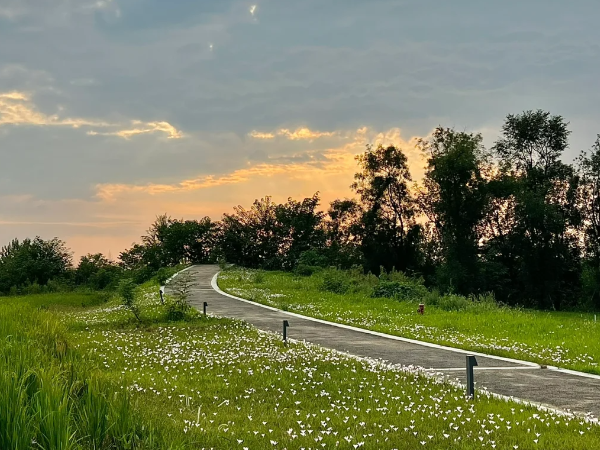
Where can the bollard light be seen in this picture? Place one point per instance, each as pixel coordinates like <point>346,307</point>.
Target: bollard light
<point>471,362</point>
<point>205,305</point>
<point>285,325</point>
<point>161,292</point>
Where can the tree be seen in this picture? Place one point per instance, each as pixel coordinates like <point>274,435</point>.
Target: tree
<point>342,232</point>
<point>589,169</point>
<point>541,193</point>
<point>249,237</point>
<point>33,261</point>
<point>270,235</point>
<point>455,199</point>
<point>96,271</point>
<point>188,240</point>
<point>389,234</point>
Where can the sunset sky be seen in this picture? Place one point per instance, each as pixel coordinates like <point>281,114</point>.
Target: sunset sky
<point>114,111</point>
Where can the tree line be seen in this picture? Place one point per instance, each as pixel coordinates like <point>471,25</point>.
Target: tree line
<point>513,219</point>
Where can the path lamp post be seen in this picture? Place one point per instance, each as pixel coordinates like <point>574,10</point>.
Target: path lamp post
<point>471,362</point>
<point>161,291</point>
<point>285,325</point>
<point>205,305</point>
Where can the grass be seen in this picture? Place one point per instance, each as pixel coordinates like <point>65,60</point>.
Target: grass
<point>564,339</point>
<point>95,377</point>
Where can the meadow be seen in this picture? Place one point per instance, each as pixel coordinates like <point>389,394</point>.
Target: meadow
<point>389,305</point>
<point>81,372</point>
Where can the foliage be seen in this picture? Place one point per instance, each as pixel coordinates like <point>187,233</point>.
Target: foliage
<point>454,200</point>
<point>535,240</point>
<point>32,261</point>
<point>399,290</point>
<point>177,304</point>
<point>127,289</point>
<point>47,394</point>
<point>270,235</point>
<point>335,281</point>
<point>389,235</point>
<point>97,272</point>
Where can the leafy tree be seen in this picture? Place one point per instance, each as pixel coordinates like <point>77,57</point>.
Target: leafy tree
<point>343,231</point>
<point>249,237</point>
<point>270,235</point>
<point>389,234</point>
<point>33,261</point>
<point>539,197</point>
<point>589,168</point>
<point>189,240</point>
<point>96,271</point>
<point>454,200</point>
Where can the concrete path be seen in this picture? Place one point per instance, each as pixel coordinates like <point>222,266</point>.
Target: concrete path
<point>528,381</point>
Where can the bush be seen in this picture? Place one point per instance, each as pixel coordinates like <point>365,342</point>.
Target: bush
<point>127,293</point>
<point>454,302</point>
<point>177,304</point>
<point>399,290</point>
<point>313,258</point>
<point>335,281</point>
<point>163,275</point>
<point>306,271</point>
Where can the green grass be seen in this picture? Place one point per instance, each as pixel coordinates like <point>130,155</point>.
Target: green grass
<point>564,339</point>
<point>104,380</point>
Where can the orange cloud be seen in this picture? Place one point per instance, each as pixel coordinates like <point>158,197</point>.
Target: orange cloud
<point>298,134</point>
<point>337,160</point>
<point>16,108</point>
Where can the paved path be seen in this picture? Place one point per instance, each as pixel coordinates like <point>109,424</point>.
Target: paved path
<point>503,376</point>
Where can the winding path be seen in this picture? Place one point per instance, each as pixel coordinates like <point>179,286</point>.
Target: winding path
<point>524,380</point>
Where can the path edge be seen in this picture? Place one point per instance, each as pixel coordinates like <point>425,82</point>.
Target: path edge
<point>216,287</point>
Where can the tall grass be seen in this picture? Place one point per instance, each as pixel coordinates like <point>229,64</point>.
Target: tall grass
<point>48,398</point>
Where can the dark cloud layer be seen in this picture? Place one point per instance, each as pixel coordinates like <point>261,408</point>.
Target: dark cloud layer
<point>216,72</point>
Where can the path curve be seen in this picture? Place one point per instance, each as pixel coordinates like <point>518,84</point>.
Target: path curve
<point>564,390</point>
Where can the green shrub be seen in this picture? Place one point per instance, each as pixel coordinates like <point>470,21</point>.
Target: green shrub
<point>454,302</point>
<point>127,293</point>
<point>335,281</point>
<point>399,290</point>
<point>177,304</point>
<point>306,271</point>
<point>313,258</point>
<point>163,275</point>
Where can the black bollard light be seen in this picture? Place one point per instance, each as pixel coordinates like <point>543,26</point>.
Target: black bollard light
<point>285,325</point>
<point>471,362</point>
<point>205,305</point>
<point>161,291</point>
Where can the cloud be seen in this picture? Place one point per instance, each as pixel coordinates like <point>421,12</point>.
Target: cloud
<point>298,134</point>
<point>143,128</point>
<point>16,108</point>
<point>332,161</point>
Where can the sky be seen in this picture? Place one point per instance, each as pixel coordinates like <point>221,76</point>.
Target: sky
<point>115,111</point>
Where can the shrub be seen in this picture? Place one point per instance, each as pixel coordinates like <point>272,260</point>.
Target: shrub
<point>177,304</point>
<point>454,302</point>
<point>335,281</point>
<point>399,290</point>
<point>163,275</point>
<point>313,258</point>
<point>127,293</point>
<point>306,271</point>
